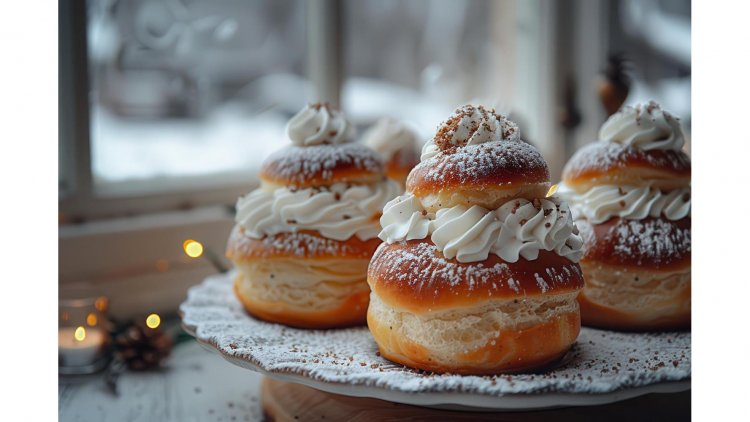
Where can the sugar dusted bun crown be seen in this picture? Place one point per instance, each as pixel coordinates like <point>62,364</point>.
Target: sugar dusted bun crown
<point>639,146</point>
<point>477,158</point>
<point>321,153</point>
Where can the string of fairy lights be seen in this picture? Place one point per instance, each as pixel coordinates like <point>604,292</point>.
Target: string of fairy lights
<point>192,248</point>
<point>152,321</point>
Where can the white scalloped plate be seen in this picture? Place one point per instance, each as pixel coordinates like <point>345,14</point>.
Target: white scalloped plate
<point>603,367</point>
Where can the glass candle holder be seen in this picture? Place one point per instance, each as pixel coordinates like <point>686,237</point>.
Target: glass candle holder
<point>83,338</point>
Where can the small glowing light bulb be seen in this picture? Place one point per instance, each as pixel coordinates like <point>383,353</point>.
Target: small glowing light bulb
<point>80,333</point>
<point>192,248</point>
<point>91,319</point>
<point>153,321</point>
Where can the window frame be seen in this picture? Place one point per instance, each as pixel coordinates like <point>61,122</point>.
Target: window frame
<point>102,220</point>
<point>79,197</point>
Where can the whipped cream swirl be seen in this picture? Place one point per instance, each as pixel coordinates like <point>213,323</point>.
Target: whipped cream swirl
<point>519,228</point>
<point>404,219</point>
<point>429,150</point>
<point>319,124</point>
<point>389,136</point>
<point>644,126</point>
<point>337,212</point>
<point>603,202</point>
<point>548,226</point>
<point>466,234</point>
<point>471,125</point>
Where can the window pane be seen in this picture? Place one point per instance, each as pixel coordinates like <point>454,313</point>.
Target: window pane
<point>196,89</point>
<point>416,60</point>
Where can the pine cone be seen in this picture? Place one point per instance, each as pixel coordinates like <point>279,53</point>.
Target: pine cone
<point>142,348</point>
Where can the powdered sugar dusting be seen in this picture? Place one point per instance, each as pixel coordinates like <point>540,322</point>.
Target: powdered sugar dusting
<point>474,163</point>
<point>301,164</point>
<point>543,286</point>
<point>652,241</point>
<point>655,239</point>
<point>600,362</point>
<point>407,265</point>
<point>601,156</point>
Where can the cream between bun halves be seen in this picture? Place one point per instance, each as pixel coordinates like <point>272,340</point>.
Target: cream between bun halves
<point>478,272</point>
<point>304,238</point>
<point>630,195</point>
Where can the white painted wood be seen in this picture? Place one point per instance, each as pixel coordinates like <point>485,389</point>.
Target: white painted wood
<point>195,385</point>
<point>138,262</point>
<point>125,247</point>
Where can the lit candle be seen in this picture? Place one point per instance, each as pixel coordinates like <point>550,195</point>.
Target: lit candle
<point>78,346</point>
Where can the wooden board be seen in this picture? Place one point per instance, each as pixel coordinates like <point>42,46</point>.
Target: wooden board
<point>282,401</point>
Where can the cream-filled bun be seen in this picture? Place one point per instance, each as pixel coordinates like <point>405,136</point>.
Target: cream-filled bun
<point>304,238</point>
<point>630,194</point>
<point>478,270</point>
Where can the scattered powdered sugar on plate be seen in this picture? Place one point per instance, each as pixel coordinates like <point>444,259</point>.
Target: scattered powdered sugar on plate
<point>600,362</point>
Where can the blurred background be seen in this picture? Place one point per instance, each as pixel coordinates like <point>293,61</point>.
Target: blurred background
<point>168,107</point>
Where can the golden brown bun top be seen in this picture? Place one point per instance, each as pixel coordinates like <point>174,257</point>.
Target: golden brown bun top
<point>322,165</point>
<point>488,165</point>
<point>607,163</point>
<point>477,149</point>
<point>414,275</point>
<point>303,244</point>
<point>651,243</point>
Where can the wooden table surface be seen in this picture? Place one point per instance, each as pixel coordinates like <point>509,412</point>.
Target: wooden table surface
<point>197,385</point>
